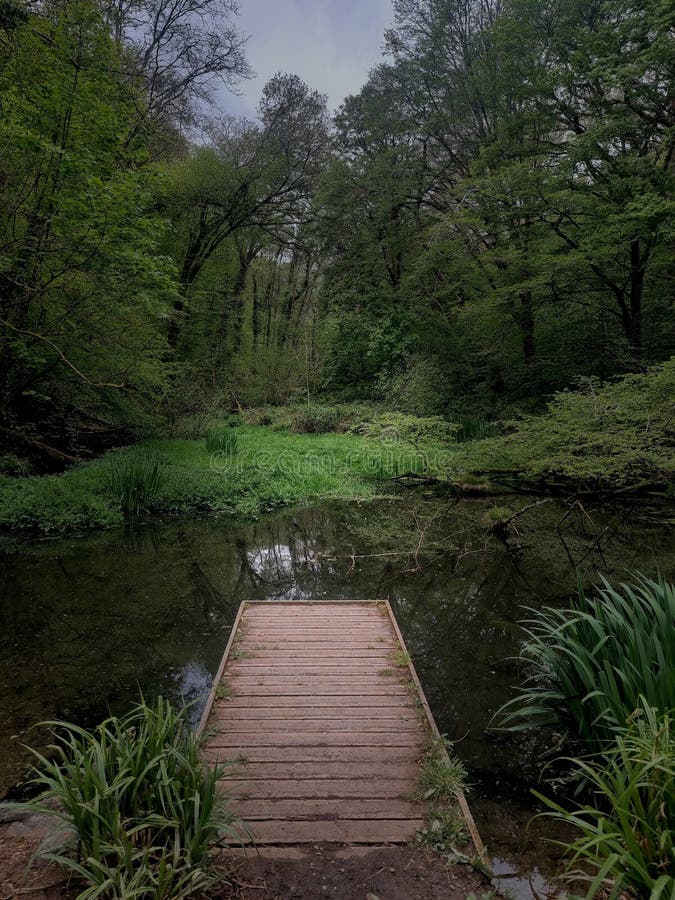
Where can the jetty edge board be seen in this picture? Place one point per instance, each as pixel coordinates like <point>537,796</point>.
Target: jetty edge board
<point>322,702</point>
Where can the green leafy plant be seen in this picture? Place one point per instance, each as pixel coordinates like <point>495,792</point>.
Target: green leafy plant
<point>626,838</point>
<point>496,519</point>
<point>442,779</point>
<point>314,418</point>
<point>593,662</point>
<point>134,479</point>
<point>223,441</point>
<point>394,426</point>
<point>140,808</point>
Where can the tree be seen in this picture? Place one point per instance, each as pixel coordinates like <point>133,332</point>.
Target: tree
<point>254,177</point>
<point>179,50</point>
<point>82,286</point>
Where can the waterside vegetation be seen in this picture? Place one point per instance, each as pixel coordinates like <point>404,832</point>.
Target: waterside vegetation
<point>139,810</point>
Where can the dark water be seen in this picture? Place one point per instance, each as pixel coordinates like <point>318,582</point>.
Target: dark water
<point>87,622</point>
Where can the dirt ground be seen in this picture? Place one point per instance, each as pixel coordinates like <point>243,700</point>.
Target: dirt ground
<point>312,873</point>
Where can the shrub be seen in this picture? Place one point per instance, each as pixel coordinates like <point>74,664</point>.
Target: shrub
<point>223,441</point>
<point>10,464</point>
<point>313,418</point>
<point>626,839</point>
<point>421,389</point>
<point>399,427</point>
<point>619,433</point>
<point>142,806</point>
<point>52,503</point>
<point>593,662</point>
<point>496,519</point>
<point>134,479</point>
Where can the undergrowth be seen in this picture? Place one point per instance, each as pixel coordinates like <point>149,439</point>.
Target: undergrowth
<point>269,470</point>
<point>592,663</point>
<point>141,810</point>
<point>626,843</point>
<point>442,779</point>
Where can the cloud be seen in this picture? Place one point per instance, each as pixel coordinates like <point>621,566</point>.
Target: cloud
<point>330,44</point>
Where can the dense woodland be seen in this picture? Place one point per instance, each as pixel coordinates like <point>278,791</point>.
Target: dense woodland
<point>488,221</point>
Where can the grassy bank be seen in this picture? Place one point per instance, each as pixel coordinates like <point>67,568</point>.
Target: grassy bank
<point>268,469</point>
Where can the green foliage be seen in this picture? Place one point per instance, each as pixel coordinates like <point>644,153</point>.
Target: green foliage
<point>626,843</point>
<point>84,283</point>
<point>135,479</point>
<point>442,779</point>
<point>222,441</point>
<point>144,808</point>
<point>413,429</point>
<point>12,465</point>
<point>591,664</point>
<point>620,433</point>
<point>58,503</point>
<point>271,469</point>
<point>473,428</point>
<point>422,389</point>
<point>495,519</point>
<point>314,418</point>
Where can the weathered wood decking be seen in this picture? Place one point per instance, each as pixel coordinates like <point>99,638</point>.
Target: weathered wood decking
<point>322,702</point>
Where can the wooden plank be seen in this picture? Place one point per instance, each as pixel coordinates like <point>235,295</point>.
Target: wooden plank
<point>314,739</point>
<point>233,725</point>
<point>317,701</point>
<point>323,670</point>
<point>357,683</point>
<point>225,712</point>
<point>261,688</point>
<point>301,653</point>
<point>323,788</point>
<point>348,755</point>
<point>317,771</point>
<point>324,808</point>
<point>382,831</point>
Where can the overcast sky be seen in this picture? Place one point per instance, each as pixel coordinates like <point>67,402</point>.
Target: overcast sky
<point>330,44</point>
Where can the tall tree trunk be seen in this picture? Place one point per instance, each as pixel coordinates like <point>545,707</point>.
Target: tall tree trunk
<point>637,280</point>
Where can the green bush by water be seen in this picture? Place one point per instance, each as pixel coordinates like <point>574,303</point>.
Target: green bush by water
<point>626,836</point>
<point>142,805</point>
<point>593,662</point>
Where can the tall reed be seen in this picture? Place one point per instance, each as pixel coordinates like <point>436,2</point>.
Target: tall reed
<point>591,664</point>
<point>143,807</point>
<point>626,843</point>
<point>135,478</point>
<point>222,441</point>
<point>473,428</point>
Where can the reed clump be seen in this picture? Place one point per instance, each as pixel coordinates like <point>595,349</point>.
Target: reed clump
<point>592,663</point>
<point>135,479</point>
<point>140,809</point>
<point>223,441</point>
<point>626,842</point>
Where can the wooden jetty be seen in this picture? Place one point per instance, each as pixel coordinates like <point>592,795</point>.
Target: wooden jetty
<point>321,701</point>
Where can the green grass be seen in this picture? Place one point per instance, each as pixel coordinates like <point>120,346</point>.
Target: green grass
<point>271,469</point>
<point>442,778</point>
<point>626,843</point>
<point>142,810</point>
<point>594,662</point>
